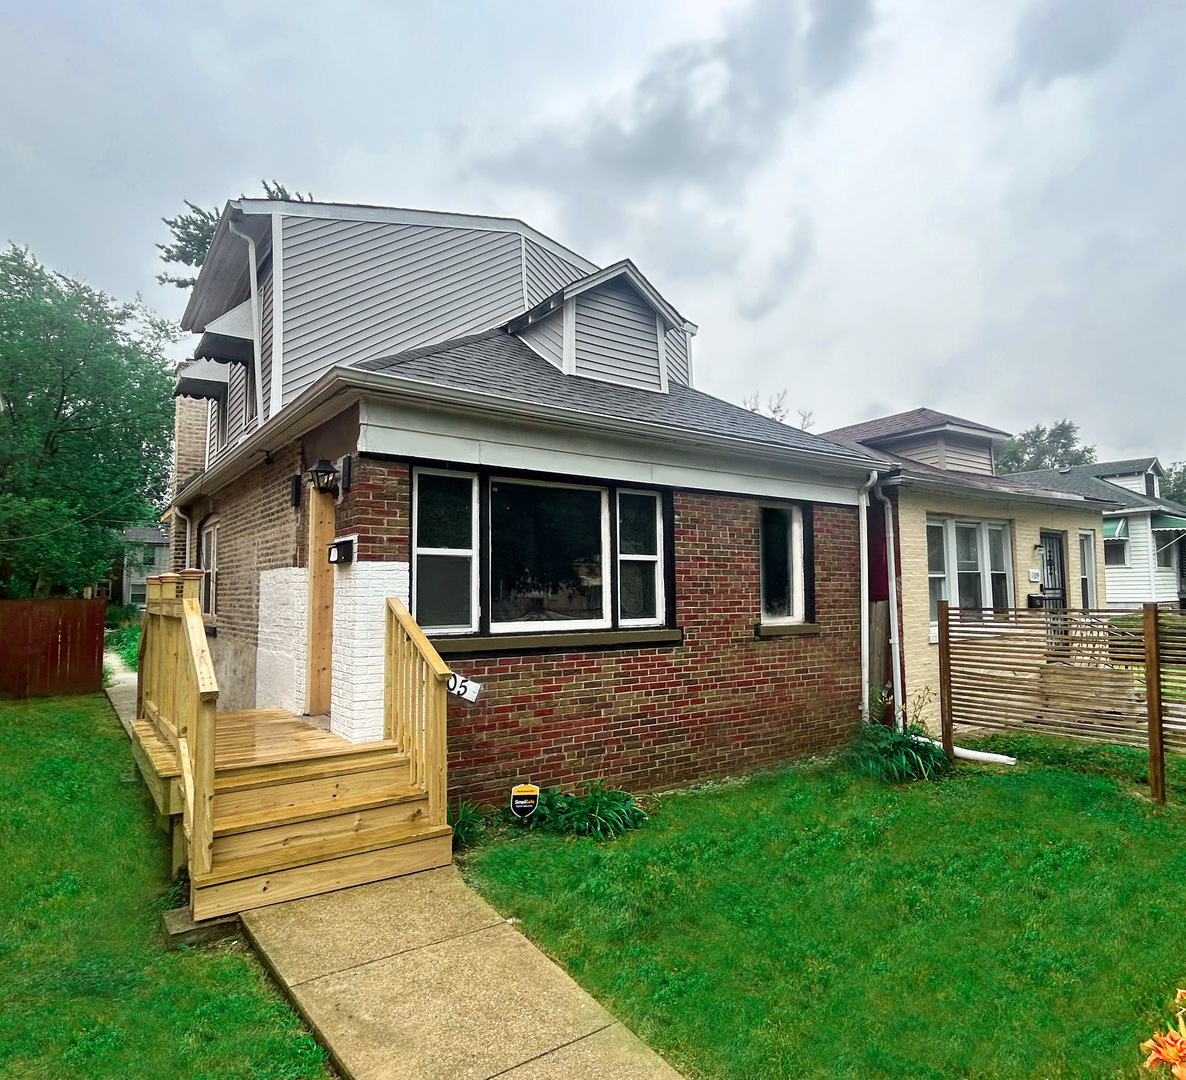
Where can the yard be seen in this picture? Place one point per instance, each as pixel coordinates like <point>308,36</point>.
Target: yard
<point>88,989</point>
<point>1002,923</point>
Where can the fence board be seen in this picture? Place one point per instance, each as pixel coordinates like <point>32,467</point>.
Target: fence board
<point>50,647</point>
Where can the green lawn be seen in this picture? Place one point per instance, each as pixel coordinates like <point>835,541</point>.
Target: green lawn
<point>1018,922</point>
<point>86,986</point>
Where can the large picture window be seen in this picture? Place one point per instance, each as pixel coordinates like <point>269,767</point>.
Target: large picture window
<point>781,538</point>
<point>969,563</point>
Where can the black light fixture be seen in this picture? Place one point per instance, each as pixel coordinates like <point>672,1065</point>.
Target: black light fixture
<point>324,477</point>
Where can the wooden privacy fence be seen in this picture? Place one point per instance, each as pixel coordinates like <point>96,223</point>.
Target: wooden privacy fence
<point>1110,676</point>
<point>415,704</point>
<point>178,694</point>
<point>51,647</point>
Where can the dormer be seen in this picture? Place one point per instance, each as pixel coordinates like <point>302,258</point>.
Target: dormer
<point>612,325</point>
<point>1142,475</point>
<point>931,438</point>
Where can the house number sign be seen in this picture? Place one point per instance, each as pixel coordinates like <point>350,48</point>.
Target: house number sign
<point>464,688</point>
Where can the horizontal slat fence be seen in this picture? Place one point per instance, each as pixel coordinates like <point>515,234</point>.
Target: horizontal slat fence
<point>1110,676</point>
<point>52,646</point>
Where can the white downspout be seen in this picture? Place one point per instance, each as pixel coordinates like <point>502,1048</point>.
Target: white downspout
<point>256,326</point>
<point>178,512</point>
<point>862,512</point>
<point>891,566</point>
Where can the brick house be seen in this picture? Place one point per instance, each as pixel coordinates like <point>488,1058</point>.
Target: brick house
<point>651,585</point>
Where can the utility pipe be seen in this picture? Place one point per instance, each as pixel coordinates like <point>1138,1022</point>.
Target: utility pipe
<point>863,526</point>
<point>975,755</point>
<point>256,330</point>
<point>891,567</point>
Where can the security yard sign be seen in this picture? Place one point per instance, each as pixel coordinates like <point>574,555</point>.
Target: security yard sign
<point>463,687</point>
<point>524,800</point>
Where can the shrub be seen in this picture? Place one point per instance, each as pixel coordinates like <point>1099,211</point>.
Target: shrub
<point>601,812</point>
<point>895,756</point>
<point>121,615</point>
<point>468,823</point>
<point>125,642</point>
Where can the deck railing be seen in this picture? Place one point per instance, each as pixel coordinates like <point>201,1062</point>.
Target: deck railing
<point>415,704</point>
<point>178,694</point>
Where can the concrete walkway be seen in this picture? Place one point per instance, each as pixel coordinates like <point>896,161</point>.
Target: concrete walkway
<point>418,978</point>
<point>122,690</point>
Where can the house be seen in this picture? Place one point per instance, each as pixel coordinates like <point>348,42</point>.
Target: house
<point>958,532</point>
<point>146,552</point>
<point>1144,534</point>
<point>649,584</point>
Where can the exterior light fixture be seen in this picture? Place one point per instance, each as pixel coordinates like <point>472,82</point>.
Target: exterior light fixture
<point>324,477</point>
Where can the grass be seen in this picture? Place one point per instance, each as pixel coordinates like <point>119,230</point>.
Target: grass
<point>126,643</point>
<point>88,989</point>
<point>811,923</point>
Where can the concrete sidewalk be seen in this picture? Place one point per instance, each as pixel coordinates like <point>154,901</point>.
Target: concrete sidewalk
<point>418,978</point>
<point>121,691</point>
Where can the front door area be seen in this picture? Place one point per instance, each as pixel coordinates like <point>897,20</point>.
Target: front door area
<point>1054,573</point>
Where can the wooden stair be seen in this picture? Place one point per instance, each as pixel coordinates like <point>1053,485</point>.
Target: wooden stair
<point>289,829</point>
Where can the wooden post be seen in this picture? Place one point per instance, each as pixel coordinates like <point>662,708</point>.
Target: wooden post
<point>1153,704</point>
<point>191,584</point>
<point>321,604</point>
<point>945,680</point>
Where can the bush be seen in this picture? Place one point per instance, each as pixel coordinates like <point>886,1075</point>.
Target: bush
<point>895,756</point>
<point>601,812</point>
<point>121,615</point>
<point>125,642</point>
<point>468,823</point>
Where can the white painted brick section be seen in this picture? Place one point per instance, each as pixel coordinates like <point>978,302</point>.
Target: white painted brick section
<point>280,659</point>
<point>361,590</point>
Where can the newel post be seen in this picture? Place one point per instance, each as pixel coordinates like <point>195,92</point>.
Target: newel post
<point>945,719</point>
<point>1153,704</point>
<point>169,585</point>
<point>191,584</point>
<point>152,587</point>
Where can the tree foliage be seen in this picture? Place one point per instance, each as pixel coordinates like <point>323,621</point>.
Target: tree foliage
<point>193,232</point>
<point>86,418</point>
<point>1044,448</point>
<point>776,408</point>
<point>1173,487</point>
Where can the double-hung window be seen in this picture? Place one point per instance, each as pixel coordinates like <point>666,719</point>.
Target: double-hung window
<point>969,564</point>
<point>780,530</point>
<point>1087,569</point>
<point>445,551</point>
<point>209,563</point>
<point>640,577</point>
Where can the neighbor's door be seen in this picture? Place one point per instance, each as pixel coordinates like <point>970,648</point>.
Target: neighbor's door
<point>1054,574</point>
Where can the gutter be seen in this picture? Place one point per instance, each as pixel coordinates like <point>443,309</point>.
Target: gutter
<point>891,565</point>
<point>863,521</point>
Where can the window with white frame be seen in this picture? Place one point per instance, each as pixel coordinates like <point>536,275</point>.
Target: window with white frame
<point>209,564</point>
<point>1167,548</point>
<point>780,530</point>
<point>969,564</point>
<point>546,557</point>
<point>1087,569</point>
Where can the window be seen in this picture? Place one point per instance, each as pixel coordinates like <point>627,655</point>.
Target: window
<point>209,565</point>
<point>1087,569</point>
<point>551,556</point>
<point>138,593</point>
<point>1165,549</point>
<point>250,404</point>
<point>970,561</point>
<point>781,539</point>
<point>1115,552</point>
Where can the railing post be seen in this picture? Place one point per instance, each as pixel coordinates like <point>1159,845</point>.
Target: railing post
<point>169,661</point>
<point>191,584</point>
<point>1153,704</point>
<point>945,720</point>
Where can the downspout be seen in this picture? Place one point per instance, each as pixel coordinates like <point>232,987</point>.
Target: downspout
<point>178,512</point>
<point>256,331</point>
<point>862,513</point>
<point>891,565</point>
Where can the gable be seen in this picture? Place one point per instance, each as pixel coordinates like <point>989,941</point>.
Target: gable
<point>617,336</point>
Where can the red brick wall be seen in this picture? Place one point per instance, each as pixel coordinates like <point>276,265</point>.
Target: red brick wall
<point>722,703</point>
<point>378,507</point>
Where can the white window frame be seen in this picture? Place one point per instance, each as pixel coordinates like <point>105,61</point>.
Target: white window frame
<point>209,600</point>
<point>250,401</point>
<point>656,559</point>
<point>1170,548</point>
<point>984,562</point>
<point>471,552</point>
<point>1087,573</point>
<point>797,569</point>
<point>608,586</point>
<point>1120,565</point>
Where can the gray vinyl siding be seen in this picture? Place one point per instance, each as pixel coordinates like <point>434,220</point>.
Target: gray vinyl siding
<point>546,273</point>
<point>675,344</point>
<point>967,456</point>
<point>236,401</point>
<point>616,336</point>
<point>355,290</point>
<point>265,333</point>
<point>547,338</point>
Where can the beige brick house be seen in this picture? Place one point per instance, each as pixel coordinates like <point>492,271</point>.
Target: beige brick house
<point>958,532</point>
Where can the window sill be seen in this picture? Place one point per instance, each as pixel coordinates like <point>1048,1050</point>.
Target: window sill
<point>768,630</point>
<point>572,641</point>
<point>210,626</point>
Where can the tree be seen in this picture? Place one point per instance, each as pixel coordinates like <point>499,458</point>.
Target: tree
<point>1173,487</point>
<point>776,408</point>
<point>193,233</point>
<point>1044,448</point>
<point>86,417</point>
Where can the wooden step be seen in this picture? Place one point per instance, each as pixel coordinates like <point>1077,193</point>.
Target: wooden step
<point>226,825</point>
<point>295,882</point>
<point>247,777</point>
<point>375,783</point>
<point>358,824</point>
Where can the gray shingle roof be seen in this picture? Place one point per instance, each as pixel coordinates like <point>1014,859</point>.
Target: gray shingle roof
<point>1087,480</point>
<point>906,423</point>
<point>499,364</point>
<point>146,534</point>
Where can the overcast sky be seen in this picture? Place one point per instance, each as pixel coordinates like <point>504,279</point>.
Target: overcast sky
<point>977,207</point>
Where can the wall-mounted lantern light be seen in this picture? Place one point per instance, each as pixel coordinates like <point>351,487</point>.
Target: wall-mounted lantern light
<point>324,477</point>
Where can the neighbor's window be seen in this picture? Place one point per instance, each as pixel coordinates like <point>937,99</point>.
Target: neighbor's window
<point>1087,569</point>
<point>781,540</point>
<point>979,553</point>
<point>1165,550</point>
<point>209,565</point>
<point>1115,552</point>
<point>137,593</point>
<point>445,550</point>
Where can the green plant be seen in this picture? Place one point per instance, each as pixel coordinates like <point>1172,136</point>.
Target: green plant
<point>121,615</point>
<point>125,643</point>
<point>895,755</point>
<point>468,823</point>
<point>600,812</point>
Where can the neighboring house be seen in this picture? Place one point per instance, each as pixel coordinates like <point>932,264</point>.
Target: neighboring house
<point>1144,535</point>
<point>967,536</point>
<point>146,552</point>
<point>650,584</point>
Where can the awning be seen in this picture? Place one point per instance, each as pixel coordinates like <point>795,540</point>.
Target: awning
<point>202,379</point>
<point>229,338</point>
<point>1168,521</point>
<point>1115,528</point>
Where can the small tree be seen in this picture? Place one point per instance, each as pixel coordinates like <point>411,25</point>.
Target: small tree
<point>1044,448</point>
<point>193,233</point>
<point>776,408</point>
<point>1173,487</point>
<point>86,416</point>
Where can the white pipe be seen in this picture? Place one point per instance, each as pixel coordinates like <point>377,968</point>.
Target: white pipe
<point>975,755</point>
<point>863,525</point>
<point>178,512</point>
<point>256,331</point>
<point>891,567</point>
